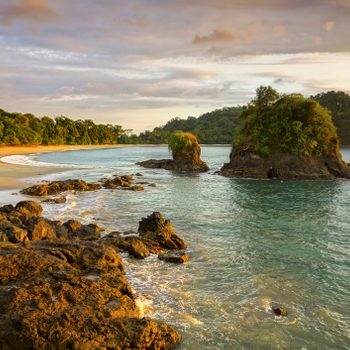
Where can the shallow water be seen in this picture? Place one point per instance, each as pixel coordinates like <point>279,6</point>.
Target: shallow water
<point>253,244</point>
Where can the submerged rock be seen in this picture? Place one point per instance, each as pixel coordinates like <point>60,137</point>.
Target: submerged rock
<point>176,258</point>
<point>279,311</point>
<point>56,187</point>
<point>124,182</point>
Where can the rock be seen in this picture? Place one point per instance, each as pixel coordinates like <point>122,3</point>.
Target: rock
<point>73,229</point>
<point>64,295</point>
<point>175,165</point>
<point>138,249</point>
<point>12,232</point>
<point>283,166</point>
<point>58,200</point>
<point>29,208</point>
<point>7,208</point>
<point>177,258</point>
<point>135,188</point>
<point>156,229</point>
<point>39,229</point>
<point>138,174</point>
<point>56,187</point>
<point>279,311</point>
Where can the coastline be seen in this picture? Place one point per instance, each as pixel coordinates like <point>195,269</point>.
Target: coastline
<point>11,175</point>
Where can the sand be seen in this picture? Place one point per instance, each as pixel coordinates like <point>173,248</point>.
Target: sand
<point>11,175</point>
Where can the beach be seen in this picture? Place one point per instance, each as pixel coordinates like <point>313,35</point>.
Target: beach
<point>11,175</point>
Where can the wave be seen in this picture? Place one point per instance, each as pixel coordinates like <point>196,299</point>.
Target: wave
<point>31,161</point>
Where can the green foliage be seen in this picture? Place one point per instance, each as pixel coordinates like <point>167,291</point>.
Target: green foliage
<point>17,128</point>
<point>215,127</point>
<point>286,124</point>
<point>338,103</point>
<point>183,144</point>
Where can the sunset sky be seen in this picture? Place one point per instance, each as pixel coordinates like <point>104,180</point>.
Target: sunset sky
<point>140,63</point>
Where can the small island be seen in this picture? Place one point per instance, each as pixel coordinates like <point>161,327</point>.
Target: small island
<point>285,137</point>
<point>186,153</point>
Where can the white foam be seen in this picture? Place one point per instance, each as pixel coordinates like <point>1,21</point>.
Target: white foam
<point>28,160</point>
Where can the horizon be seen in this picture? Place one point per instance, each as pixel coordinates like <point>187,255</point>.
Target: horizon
<point>141,64</point>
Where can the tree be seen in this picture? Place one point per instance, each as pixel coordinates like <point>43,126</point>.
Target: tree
<point>289,124</point>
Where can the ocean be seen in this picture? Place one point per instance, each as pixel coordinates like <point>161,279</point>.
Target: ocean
<point>254,244</point>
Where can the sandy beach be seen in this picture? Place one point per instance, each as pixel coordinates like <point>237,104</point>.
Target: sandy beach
<point>11,174</point>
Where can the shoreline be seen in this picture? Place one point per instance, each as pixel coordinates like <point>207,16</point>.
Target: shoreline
<point>12,175</point>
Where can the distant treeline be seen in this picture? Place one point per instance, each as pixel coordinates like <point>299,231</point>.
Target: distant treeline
<point>18,129</point>
<point>218,126</point>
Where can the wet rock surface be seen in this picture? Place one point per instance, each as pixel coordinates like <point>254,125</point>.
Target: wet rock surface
<point>60,290</point>
<point>57,187</point>
<point>124,182</point>
<point>175,165</point>
<point>58,200</point>
<point>245,164</point>
<point>176,258</point>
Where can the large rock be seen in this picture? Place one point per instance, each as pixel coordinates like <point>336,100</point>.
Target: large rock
<point>161,231</point>
<point>245,164</point>
<point>29,208</point>
<point>175,258</point>
<point>39,228</point>
<point>175,165</point>
<point>63,295</point>
<point>73,229</point>
<point>56,187</point>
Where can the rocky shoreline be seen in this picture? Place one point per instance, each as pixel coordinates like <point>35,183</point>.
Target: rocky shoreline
<point>63,284</point>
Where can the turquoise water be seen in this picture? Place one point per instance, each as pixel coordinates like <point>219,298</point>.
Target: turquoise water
<point>253,244</point>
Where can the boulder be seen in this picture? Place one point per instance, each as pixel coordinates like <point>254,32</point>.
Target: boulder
<point>58,200</point>
<point>156,229</point>
<point>279,311</point>
<point>39,229</point>
<point>29,208</point>
<point>175,257</point>
<point>73,229</point>
<point>137,248</point>
<point>57,187</point>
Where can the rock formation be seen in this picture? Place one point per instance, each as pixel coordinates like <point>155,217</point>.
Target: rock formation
<point>186,155</point>
<point>285,137</point>
<point>64,288</point>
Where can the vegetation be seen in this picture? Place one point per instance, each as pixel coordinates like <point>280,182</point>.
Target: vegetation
<point>338,103</point>
<point>184,145</point>
<point>215,127</point>
<point>17,129</point>
<point>274,123</point>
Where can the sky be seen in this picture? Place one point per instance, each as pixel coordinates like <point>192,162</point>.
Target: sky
<point>139,63</point>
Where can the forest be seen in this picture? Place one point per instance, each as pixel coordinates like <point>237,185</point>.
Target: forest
<point>217,127</point>
<point>17,129</point>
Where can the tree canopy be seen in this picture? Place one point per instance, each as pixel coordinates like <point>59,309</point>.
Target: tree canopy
<point>17,128</point>
<point>338,103</point>
<point>274,123</point>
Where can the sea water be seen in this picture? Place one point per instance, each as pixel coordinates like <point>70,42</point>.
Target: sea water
<point>253,245</point>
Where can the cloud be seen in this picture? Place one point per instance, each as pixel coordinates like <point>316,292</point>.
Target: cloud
<point>216,36</point>
<point>329,26</point>
<point>28,10</point>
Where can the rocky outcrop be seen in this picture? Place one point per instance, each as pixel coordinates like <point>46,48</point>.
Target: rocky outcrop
<point>155,236</point>
<point>64,295</point>
<point>61,287</point>
<point>245,164</point>
<point>124,182</point>
<point>156,229</point>
<point>175,165</point>
<point>56,187</point>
